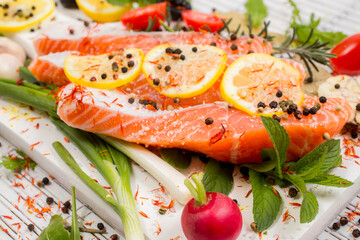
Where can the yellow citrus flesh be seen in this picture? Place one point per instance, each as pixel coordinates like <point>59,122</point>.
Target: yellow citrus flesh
<point>102,11</point>
<point>104,71</point>
<point>20,14</point>
<point>258,77</point>
<point>191,73</point>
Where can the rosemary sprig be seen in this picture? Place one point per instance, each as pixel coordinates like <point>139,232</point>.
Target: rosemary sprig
<point>151,24</point>
<point>309,53</point>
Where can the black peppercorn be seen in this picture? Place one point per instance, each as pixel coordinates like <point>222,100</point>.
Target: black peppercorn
<point>114,237</point>
<point>45,181</point>
<point>250,51</point>
<point>235,201</point>
<point>67,204</point>
<point>234,47</point>
<point>358,107</point>
<point>337,86</point>
<point>336,226</point>
<point>279,94</point>
<point>306,112</point>
<point>251,35</point>
<point>261,104</point>
<point>131,100</point>
<point>233,37</point>
<point>293,192</point>
<point>276,117</point>
<point>168,50</point>
<point>31,227</point>
<point>213,44</point>
<point>103,76</point>
<point>297,114</point>
<point>65,210</point>
<point>129,55</point>
<point>124,69</point>
<point>131,64</point>
<point>209,121</point>
<point>167,68</point>
<point>322,99</point>
<point>356,233</point>
<point>273,104</point>
<point>271,180</point>
<point>156,81</point>
<point>313,110</point>
<point>182,57</point>
<point>100,226</point>
<point>194,49</point>
<point>159,66</point>
<point>354,134</point>
<point>343,221</point>
<point>49,200</point>
<point>177,51</point>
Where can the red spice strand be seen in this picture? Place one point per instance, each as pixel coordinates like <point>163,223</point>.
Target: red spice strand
<point>143,214</point>
<point>248,193</point>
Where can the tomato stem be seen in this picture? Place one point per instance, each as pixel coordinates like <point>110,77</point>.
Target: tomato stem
<point>197,191</point>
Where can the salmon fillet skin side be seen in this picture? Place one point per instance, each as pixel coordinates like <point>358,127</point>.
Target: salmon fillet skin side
<point>235,136</point>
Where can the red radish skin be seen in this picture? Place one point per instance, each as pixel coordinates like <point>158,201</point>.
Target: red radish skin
<point>209,215</point>
<point>220,218</point>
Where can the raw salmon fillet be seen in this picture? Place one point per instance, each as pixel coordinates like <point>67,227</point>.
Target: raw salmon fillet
<point>235,136</point>
<point>50,68</point>
<point>107,43</point>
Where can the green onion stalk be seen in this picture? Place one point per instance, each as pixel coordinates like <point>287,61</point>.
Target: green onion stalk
<point>110,162</point>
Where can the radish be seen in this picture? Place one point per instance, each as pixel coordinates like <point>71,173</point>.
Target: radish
<point>210,215</point>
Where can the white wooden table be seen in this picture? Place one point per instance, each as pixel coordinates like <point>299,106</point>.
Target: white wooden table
<point>15,190</point>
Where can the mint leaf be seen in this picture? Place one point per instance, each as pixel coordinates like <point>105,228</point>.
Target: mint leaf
<point>257,10</point>
<point>280,140</point>
<point>297,181</point>
<point>218,177</point>
<point>330,180</point>
<point>309,208</point>
<point>55,230</point>
<point>331,159</point>
<point>268,156</point>
<point>310,167</point>
<point>266,204</point>
<point>75,232</point>
<point>18,163</point>
<point>177,158</point>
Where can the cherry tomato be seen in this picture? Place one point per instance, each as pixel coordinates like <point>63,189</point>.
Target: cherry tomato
<point>138,19</point>
<point>200,20</point>
<point>348,56</point>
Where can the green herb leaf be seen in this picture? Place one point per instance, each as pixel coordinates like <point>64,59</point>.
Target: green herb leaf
<point>218,177</point>
<point>330,180</point>
<point>309,208</point>
<point>75,232</point>
<point>177,158</point>
<point>268,156</point>
<point>27,75</point>
<point>297,181</point>
<point>280,140</point>
<point>118,2</point>
<point>266,203</point>
<point>18,162</point>
<point>257,10</point>
<point>27,62</point>
<point>311,167</point>
<point>55,230</point>
<point>331,159</point>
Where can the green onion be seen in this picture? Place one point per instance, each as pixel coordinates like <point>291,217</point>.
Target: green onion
<point>114,167</point>
<point>131,223</point>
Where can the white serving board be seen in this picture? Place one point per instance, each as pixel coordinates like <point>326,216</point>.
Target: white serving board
<point>17,126</point>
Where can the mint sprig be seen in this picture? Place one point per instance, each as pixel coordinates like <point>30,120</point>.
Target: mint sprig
<point>218,177</point>
<point>266,202</point>
<point>311,168</point>
<point>280,140</point>
<point>257,10</point>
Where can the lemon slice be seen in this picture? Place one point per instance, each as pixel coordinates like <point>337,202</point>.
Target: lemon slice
<point>259,79</point>
<point>184,71</point>
<point>20,14</point>
<point>102,11</point>
<point>104,71</point>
